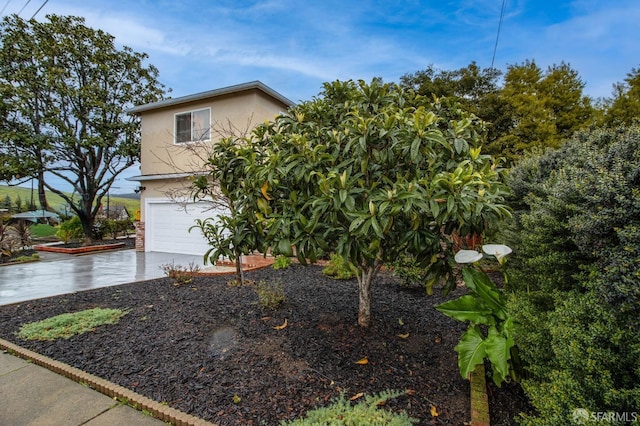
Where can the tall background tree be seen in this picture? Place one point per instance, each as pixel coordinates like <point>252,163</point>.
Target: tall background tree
<point>624,107</point>
<point>65,89</point>
<point>546,108</point>
<point>529,110</point>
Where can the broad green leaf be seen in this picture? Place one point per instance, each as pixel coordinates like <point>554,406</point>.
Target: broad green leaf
<point>451,202</point>
<point>480,283</point>
<point>471,351</point>
<point>415,149</point>
<point>376,227</point>
<point>467,308</point>
<point>356,223</point>
<point>284,248</point>
<point>498,349</point>
<point>343,195</point>
<point>435,208</point>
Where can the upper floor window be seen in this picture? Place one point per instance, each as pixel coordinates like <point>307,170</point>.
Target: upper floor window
<point>193,126</point>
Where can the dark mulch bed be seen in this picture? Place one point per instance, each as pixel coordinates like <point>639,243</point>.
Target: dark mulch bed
<point>198,346</point>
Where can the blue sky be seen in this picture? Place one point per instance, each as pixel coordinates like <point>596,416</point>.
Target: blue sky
<point>295,46</point>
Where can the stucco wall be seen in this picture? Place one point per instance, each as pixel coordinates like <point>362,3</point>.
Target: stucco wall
<point>240,111</point>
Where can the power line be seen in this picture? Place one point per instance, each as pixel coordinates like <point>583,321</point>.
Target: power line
<point>5,6</point>
<point>25,5</point>
<point>34,15</point>
<point>495,48</point>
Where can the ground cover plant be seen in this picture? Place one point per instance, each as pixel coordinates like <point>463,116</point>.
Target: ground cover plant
<point>365,411</point>
<point>210,349</point>
<point>66,325</point>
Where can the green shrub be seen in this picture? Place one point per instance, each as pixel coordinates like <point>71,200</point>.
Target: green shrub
<point>270,294</point>
<point>339,268</point>
<point>281,262</point>
<point>365,412</point>
<point>576,273</point>
<point>70,230</point>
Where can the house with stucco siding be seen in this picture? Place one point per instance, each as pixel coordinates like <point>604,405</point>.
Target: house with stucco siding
<point>175,135</point>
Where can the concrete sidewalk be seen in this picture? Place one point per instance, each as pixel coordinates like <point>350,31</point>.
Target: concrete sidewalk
<point>33,395</point>
<point>43,392</point>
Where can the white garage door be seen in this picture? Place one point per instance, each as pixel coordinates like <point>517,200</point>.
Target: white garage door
<point>167,227</point>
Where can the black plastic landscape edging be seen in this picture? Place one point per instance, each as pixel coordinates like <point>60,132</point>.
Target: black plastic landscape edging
<point>137,401</point>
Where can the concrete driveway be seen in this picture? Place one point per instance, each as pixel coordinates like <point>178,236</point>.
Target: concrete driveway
<point>57,274</point>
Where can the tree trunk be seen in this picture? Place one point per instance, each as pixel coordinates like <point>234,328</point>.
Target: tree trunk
<point>86,218</point>
<point>239,271</point>
<point>42,195</point>
<point>365,278</point>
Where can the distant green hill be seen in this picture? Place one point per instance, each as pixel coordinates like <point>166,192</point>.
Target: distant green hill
<point>57,202</point>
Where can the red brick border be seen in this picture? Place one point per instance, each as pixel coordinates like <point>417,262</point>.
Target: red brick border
<point>137,401</point>
<point>80,250</point>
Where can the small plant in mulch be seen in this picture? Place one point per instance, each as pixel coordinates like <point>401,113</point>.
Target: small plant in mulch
<point>181,275</point>
<point>67,325</point>
<point>339,268</point>
<point>270,294</point>
<point>368,411</point>
<point>281,262</point>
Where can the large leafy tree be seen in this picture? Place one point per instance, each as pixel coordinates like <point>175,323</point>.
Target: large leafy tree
<point>65,91</point>
<point>372,171</point>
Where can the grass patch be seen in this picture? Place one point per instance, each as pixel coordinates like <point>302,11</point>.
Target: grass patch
<point>67,325</point>
<point>42,230</point>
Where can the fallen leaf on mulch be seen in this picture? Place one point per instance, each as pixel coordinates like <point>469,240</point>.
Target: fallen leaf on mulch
<point>281,327</point>
<point>356,396</point>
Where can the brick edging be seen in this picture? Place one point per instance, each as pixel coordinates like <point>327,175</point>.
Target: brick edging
<point>79,250</point>
<point>139,402</point>
<point>479,399</point>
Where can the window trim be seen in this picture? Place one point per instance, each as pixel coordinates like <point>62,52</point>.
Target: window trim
<point>190,112</point>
